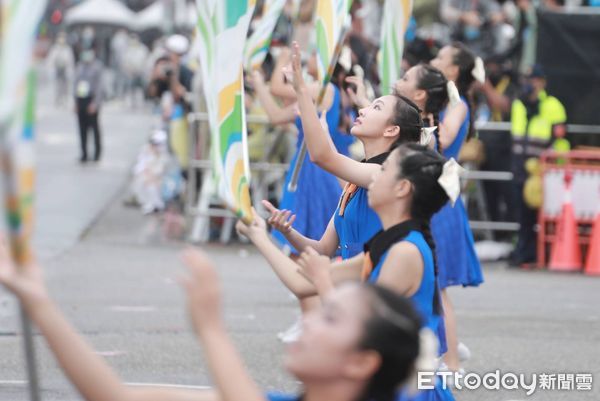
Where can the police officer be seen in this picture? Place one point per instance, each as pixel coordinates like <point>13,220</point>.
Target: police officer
<point>537,119</point>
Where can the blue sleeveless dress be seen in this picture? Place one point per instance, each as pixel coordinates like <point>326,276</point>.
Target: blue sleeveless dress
<point>423,302</point>
<point>454,245</point>
<point>356,223</point>
<point>318,191</point>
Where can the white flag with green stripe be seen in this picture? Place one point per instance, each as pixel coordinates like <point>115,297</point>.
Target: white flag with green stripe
<point>331,17</point>
<point>222,29</point>
<point>257,45</point>
<point>396,16</point>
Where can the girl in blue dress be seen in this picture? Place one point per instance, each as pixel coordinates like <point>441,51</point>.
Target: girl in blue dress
<point>360,346</point>
<point>317,193</point>
<point>458,262</point>
<point>381,125</point>
<point>405,193</point>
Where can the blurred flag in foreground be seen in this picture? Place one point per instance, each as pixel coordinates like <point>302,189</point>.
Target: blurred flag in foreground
<point>332,17</point>
<point>396,16</point>
<point>18,27</point>
<point>222,30</point>
<point>257,45</point>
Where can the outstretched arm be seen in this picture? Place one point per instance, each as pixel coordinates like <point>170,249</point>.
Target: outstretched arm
<point>279,86</point>
<point>91,375</point>
<point>286,269</point>
<point>282,220</point>
<point>276,113</point>
<point>320,146</point>
<point>204,303</point>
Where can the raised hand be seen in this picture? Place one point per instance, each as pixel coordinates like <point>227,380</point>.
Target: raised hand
<point>256,79</point>
<point>26,282</point>
<point>315,267</point>
<point>358,97</point>
<point>281,220</point>
<point>297,78</point>
<point>203,292</point>
<point>257,228</point>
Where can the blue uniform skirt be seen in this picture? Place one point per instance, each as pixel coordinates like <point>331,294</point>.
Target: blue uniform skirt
<point>454,247</point>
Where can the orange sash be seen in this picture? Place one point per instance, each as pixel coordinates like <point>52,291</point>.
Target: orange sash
<point>349,190</point>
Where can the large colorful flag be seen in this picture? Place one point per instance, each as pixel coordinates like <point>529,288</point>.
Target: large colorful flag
<point>257,45</point>
<point>396,16</point>
<point>332,19</point>
<point>222,27</point>
<point>18,28</point>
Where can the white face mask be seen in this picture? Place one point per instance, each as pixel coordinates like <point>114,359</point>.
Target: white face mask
<point>87,56</point>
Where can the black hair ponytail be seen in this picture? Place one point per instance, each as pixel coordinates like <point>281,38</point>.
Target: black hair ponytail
<point>464,59</point>
<point>422,167</point>
<point>407,116</point>
<point>433,81</point>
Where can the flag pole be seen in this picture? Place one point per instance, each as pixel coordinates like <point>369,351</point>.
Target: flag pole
<point>293,185</point>
<point>21,255</point>
<point>20,251</point>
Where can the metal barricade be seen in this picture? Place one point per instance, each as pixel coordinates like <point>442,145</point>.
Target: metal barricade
<point>200,205</point>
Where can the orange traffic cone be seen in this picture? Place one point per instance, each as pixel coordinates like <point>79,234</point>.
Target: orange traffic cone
<point>592,263</point>
<point>566,254</point>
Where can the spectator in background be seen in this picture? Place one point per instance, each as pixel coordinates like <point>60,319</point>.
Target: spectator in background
<point>304,30</point>
<point>536,120</point>
<point>426,12</point>
<point>170,76</point>
<point>88,98</point>
<point>172,82</point>
<point>118,57</point>
<point>134,65</point>
<point>284,29</point>
<point>475,23</point>
<point>501,87</point>
<point>62,63</point>
<point>524,47</point>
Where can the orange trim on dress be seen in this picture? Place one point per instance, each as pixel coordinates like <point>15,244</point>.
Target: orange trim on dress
<point>349,190</point>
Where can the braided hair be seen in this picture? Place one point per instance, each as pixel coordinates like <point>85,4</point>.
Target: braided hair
<point>392,331</point>
<point>422,167</point>
<point>407,116</point>
<point>433,81</point>
<point>464,59</point>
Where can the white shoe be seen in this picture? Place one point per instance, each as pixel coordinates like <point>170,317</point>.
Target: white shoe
<point>464,353</point>
<point>292,333</point>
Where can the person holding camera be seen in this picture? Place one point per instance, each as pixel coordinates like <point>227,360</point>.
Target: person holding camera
<point>170,74</point>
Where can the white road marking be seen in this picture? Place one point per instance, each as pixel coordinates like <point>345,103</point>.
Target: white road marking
<point>110,353</point>
<point>13,382</point>
<point>182,386</point>
<point>137,309</point>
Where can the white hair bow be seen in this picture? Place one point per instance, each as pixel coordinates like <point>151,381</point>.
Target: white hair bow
<point>426,135</point>
<point>478,70</point>
<point>453,95</point>
<point>450,179</point>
